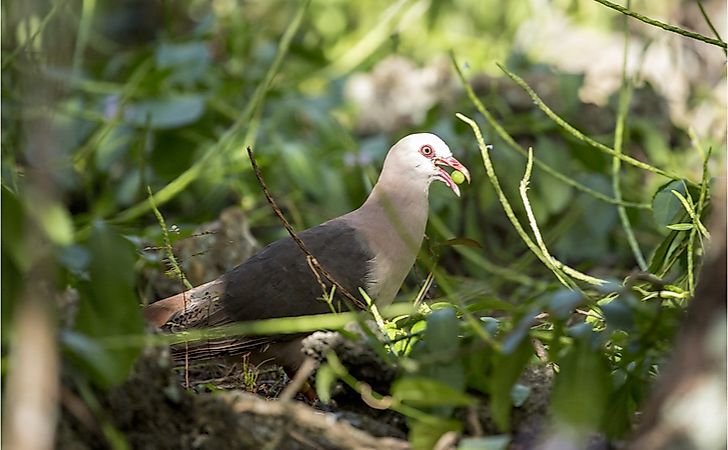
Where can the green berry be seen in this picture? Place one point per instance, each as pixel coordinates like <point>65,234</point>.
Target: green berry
<point>457,177</point>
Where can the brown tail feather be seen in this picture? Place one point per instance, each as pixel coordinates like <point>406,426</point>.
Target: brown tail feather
<point>187,308</point>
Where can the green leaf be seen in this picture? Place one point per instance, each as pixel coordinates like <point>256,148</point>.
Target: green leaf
<point>512,341</point>
<point>188,61</point>
<point>619,412</point>
<point>489,304</point>
<point>563,302</point>
<point>13,219</point>
<point>681,226</point>
<point>422,391</point>
<point>165,113</point>
<point>664,252</point>
<point>95,360</point>
<point>423,435</point>
<point>55,222</point>
<point>581,388</point>
<point>506,370</point>
<point>618,314</point>
<point>490,324</point>
<point>666,208</point>
<point>497,442</point>
<point>325,379</point>
<point>442,330</point>
<point>108,307</point>
<point>519,394</point>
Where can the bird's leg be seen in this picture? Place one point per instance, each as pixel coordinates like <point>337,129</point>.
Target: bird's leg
<point>299,382</point>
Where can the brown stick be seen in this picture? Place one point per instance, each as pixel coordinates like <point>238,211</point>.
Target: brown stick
<point>313,262</point>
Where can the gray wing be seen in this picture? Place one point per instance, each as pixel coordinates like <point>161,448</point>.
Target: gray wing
<point>278,282</point>
<point>275,282</point>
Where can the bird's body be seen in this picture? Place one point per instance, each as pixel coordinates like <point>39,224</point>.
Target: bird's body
<point>372,247</point>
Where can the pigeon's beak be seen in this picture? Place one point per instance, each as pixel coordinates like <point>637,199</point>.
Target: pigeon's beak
<point>445,177</point>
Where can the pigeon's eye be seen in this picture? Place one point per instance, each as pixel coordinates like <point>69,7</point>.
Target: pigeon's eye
<point>426,150</point>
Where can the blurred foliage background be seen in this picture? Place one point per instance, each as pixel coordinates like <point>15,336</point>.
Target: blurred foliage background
<point>104,102</point>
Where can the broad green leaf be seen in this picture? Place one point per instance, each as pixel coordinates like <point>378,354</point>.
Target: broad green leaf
<point>477,362</point>
<point>664,252</point>
<point>581,388</point>
<point>422,391</point>
<point>13,220</point>
<point>188,61</point>
<point>554,194</point>
<point>489,304</point>
<point>666,208</point>
<point>108,307</point>
<point>99,363</point>
<point>164,113</point>
<point>518,334</point>
<point>506,370</point>
<point>519,394</point>
<point>442,330</point>
<point>56,222</point>
<point>619,412</point>
<point>618,314</point>
<point>490,324</point>
<point>562,303</point>
<point>497,442</point>
<point>598,216</point>
<point>423,435</point>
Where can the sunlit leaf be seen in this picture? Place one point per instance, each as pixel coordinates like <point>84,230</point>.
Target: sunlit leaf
<point>421,391</point>
<point>325,378</point>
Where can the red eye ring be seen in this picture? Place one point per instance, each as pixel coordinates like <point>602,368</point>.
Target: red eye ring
<point>427,151</point>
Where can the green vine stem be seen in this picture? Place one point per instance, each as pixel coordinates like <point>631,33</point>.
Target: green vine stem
<point>559,269</point>
<point>664,26</point>
<point>581,136</point>
<point>508,139</point>
<point>625,95</point>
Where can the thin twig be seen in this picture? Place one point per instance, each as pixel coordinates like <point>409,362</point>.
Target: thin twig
<point>664,26</point>
<point>313,262</point>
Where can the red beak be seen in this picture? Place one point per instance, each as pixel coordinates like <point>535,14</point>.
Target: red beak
<point>445,177</point>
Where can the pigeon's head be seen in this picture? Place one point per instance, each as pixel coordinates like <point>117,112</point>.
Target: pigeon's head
<point>420,157</point>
